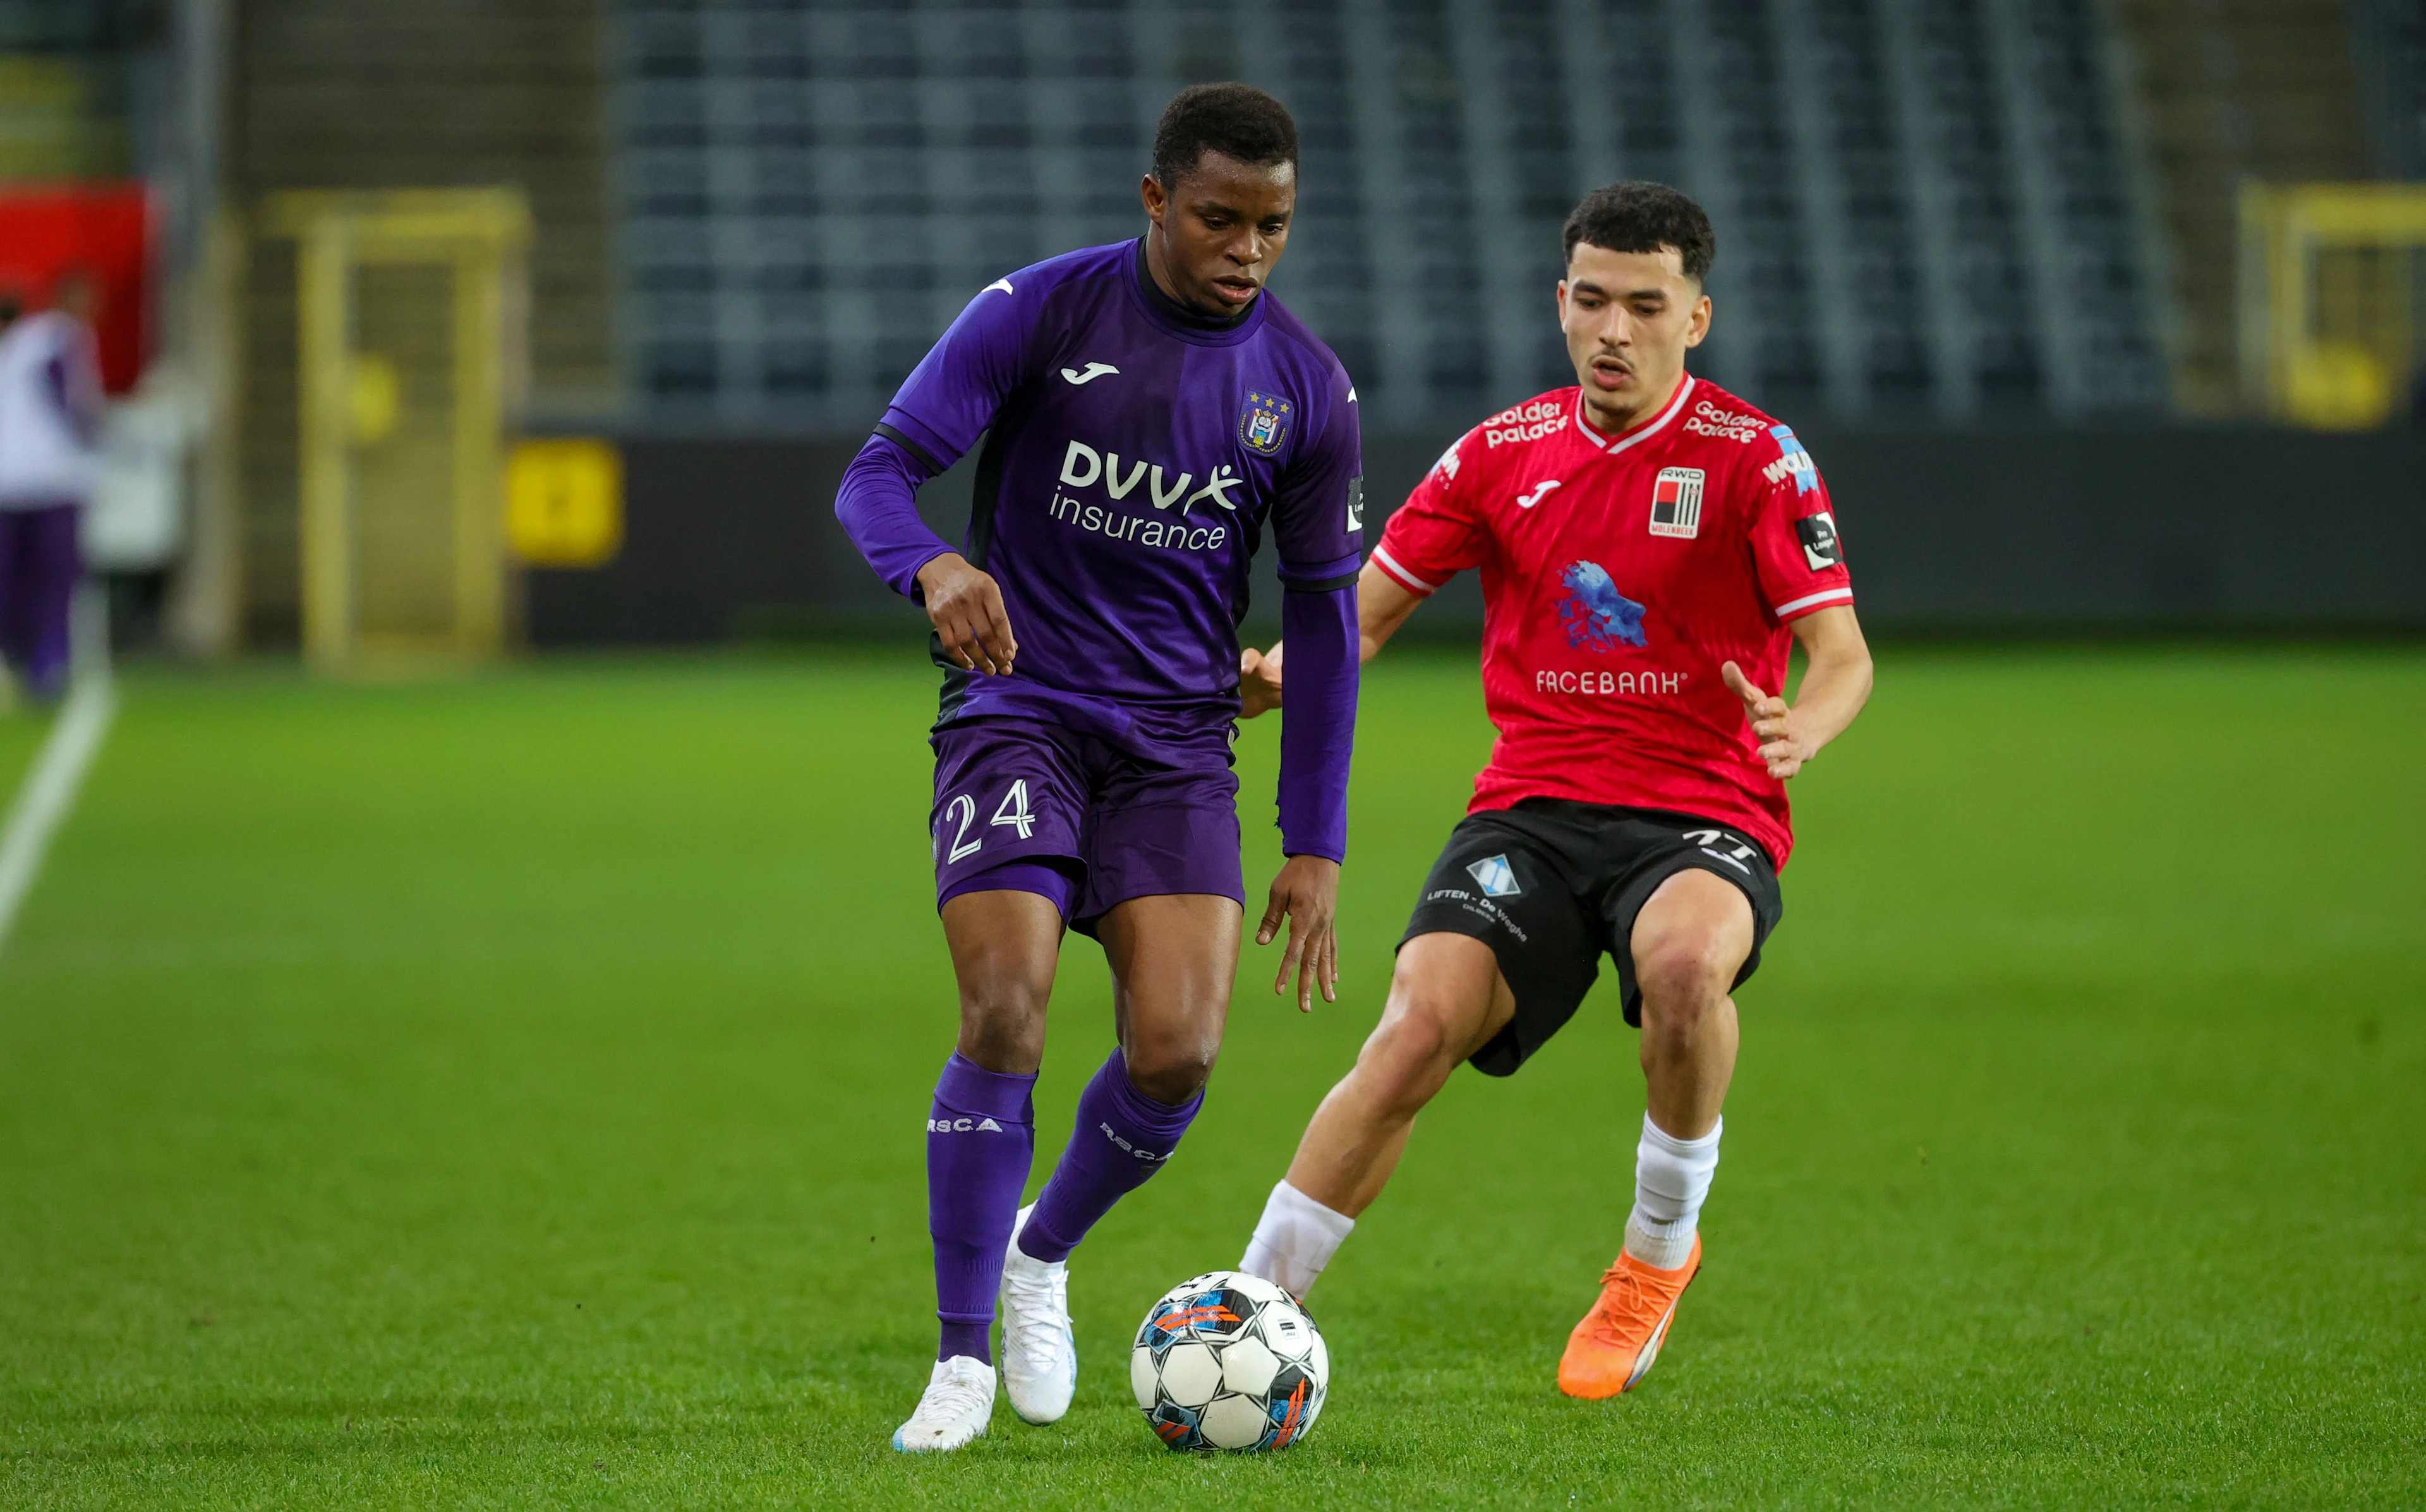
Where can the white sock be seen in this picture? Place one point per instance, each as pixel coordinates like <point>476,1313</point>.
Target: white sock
<point>1294,1239</point>
<point>1671,1177</point>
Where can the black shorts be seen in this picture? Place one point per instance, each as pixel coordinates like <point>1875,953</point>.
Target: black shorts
<point>1550,885</point>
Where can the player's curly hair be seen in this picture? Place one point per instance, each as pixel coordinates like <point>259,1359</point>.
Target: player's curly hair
<point>1639,216</point>
<point>1238,121</point>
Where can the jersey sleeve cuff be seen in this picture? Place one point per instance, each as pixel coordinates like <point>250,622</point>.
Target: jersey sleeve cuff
<point>1330,850</point>
<point>915,590</point>
<point>905,431</point>
<point>1320,577</point>
<point>1383,559</point>
<point>1808,604</point>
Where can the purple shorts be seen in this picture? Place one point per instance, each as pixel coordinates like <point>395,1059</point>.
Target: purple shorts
<point>1050,806</point>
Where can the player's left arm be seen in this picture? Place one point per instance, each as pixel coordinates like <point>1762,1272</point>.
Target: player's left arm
<point>1836,685</point>
<point>1320,539</point>
<point>1798,560</point>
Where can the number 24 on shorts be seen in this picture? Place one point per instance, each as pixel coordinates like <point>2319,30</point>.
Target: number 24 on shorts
<point>961,812</point>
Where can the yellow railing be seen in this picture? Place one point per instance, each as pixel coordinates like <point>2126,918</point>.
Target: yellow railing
<point>2330,279</point>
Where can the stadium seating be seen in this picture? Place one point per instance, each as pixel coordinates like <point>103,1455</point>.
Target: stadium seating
<point>2229,94</point>
<point>1923,206</point>
<point>2391,52</point>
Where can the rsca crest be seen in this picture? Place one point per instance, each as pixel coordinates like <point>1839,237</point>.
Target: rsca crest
<point>1263,424</point>
<point>1596,616</point>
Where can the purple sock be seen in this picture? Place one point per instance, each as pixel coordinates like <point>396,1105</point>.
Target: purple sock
<point>980,1137</point>
<point>1122,1137</point>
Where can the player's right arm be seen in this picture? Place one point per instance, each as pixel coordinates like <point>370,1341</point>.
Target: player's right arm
<point>1382,607</point>
<point>942,406</point>
<point>1433,530</point>
<point>1800,560</point>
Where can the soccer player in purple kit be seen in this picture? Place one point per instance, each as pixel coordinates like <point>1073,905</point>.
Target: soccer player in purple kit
<point>1150,413</point>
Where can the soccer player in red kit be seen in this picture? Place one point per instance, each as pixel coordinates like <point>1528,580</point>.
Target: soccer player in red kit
<point>1648,544</point>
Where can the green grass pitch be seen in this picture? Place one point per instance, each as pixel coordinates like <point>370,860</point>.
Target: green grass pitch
<point>508,1093</point>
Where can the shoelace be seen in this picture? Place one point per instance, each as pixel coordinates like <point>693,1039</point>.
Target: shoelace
<point>1623,1299</point>
<point>1043,1302</point>
<point>951,1399</point>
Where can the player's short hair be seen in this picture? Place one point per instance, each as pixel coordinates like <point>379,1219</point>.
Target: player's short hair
<point>1639,216</point>
<point>1238,121</point>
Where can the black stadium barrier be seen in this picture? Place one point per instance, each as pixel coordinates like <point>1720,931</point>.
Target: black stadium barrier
<point>2176,530</point>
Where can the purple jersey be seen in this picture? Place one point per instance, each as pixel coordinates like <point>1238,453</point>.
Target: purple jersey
<point>1135,460</point>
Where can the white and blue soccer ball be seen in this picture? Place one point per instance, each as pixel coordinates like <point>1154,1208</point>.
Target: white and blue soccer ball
<point>1228,1360</point>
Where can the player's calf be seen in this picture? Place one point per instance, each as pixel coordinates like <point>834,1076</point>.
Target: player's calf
<point>1122,1137</point>
<point>1005,944</point>
<point>1687,944</point>
<point>1447,999</point>
<point>1174,958</point>
<point>980,1137</point>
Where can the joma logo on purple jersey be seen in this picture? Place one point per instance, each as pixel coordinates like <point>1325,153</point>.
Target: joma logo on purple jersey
<point>1084,467</point>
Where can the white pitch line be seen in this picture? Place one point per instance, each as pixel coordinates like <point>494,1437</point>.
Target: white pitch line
<point>50,791</point>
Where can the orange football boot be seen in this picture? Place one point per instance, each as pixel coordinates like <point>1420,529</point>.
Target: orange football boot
<point>1613,1347</point>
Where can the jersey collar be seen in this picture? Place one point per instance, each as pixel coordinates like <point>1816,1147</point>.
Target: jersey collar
<point>1614,444</point>
<point>1176,319</point>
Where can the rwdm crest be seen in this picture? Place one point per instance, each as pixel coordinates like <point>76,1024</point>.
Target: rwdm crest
<point>1263,424</point>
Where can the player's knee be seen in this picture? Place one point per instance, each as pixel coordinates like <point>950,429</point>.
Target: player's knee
<point>1412,1040</point>
<point>1173,1067</point>
<point>1408,1056</point>
<point>1002,1025</point>
<point>1005,1003</point>
<point>1685,972</point>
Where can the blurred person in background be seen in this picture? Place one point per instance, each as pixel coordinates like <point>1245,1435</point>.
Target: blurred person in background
<point>49,420</point>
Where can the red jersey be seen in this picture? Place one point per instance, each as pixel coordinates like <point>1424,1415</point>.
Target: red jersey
<point>1619,574</point>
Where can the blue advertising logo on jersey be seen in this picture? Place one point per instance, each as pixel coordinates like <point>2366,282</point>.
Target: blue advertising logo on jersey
<point>1263,424</point>
<point>1792,459</point>
<point>1597,615</point>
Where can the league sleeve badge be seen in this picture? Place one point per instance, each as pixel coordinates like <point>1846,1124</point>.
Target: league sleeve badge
<point>1821,550</point>
<point>1263,424</point>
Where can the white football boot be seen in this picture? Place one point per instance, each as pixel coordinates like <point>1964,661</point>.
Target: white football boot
<point>1040,1354</point>
<point>958,1406</point>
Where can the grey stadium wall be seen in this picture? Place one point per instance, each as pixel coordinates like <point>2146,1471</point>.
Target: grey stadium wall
<point>2036,532</point>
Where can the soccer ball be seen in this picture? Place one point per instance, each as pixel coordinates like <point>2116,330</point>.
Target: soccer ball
<point>1228,1360</point>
